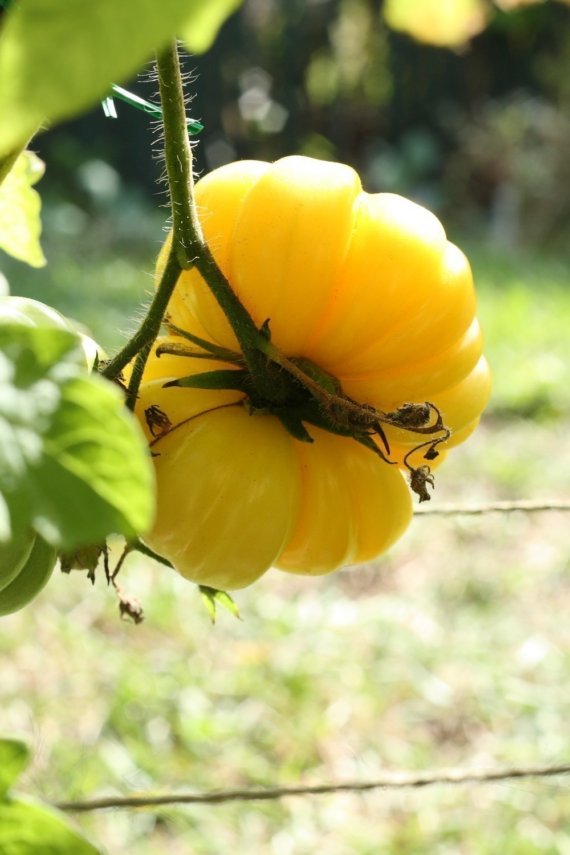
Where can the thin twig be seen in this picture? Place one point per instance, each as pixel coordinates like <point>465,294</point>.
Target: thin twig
<point>390,781</point>
<point>150,327</point>
<point>529,506</point>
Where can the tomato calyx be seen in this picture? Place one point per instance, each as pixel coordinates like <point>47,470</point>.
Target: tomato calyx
<point>303,394</point>
<point>206,349</point>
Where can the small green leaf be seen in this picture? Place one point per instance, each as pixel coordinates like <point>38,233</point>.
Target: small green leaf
<point>202,27</point>
<point>211,597</point>
<point>71,454</point>
<point>20,224</point>
<point>14,757</point>
<point>30,828</point>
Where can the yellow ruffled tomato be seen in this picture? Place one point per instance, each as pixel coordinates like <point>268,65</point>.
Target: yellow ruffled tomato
<point>366,287</point>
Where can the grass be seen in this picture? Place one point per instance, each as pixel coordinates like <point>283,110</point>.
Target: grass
<point>452,650</point>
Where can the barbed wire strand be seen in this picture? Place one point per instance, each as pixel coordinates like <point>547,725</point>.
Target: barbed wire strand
<point>529,506</point>
<point>391,781</point>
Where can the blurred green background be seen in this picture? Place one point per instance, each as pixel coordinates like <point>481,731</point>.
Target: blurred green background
<point>453,649</point>
<point>480,133</point>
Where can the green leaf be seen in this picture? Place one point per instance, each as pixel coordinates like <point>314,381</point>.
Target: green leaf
<point>29,828</point>
<point>57,57</point>
<point>212,597</point>
<point>20,224</point>
<point>203,25</point>
<point>14,757</point>
<point>72,458</point>
<point>8,161</point>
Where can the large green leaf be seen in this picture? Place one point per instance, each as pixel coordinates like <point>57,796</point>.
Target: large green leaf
<point>20,224</point>
<point>14,756</point>
<point>29,828</point>
<point>199,32</point>
<point>57,57</point>
<point>73,461</point>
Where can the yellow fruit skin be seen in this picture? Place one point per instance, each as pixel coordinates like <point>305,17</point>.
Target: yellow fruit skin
<point>365,286</point>
<point>242,494</point>
<point>31,579</point>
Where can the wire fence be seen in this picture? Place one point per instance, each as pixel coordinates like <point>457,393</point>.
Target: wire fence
<point>528,506</point>
<point>393,780</point>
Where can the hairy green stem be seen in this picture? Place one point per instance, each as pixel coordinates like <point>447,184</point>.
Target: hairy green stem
<point>187,239</point>
<point>188,246</point>
<point>139,546</point>
<point>137,375</point>
<point>150,327</point>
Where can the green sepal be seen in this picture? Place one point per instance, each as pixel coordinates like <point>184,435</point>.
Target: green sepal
<point>183,350</point>
<point>326,381</point>
<point>265,329</point>
<point>294,426</point>
<point>367,441</point>
<point>223,378</point>
<point>216,351</point>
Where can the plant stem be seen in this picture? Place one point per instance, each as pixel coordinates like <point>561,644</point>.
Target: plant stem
<point>187,239</point>
<point>137,375</point>
<point>139,546</point>
<point>150,327</point>
<point>188,246</point>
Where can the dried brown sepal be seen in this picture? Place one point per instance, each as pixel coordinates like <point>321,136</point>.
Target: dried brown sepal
<point>411,416</point>
<point>82,559</point>
<point>359,418</point>
<point>157,421</point>
<point>130,608</point>
<point>431,453</point>
<point>420,478</point>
